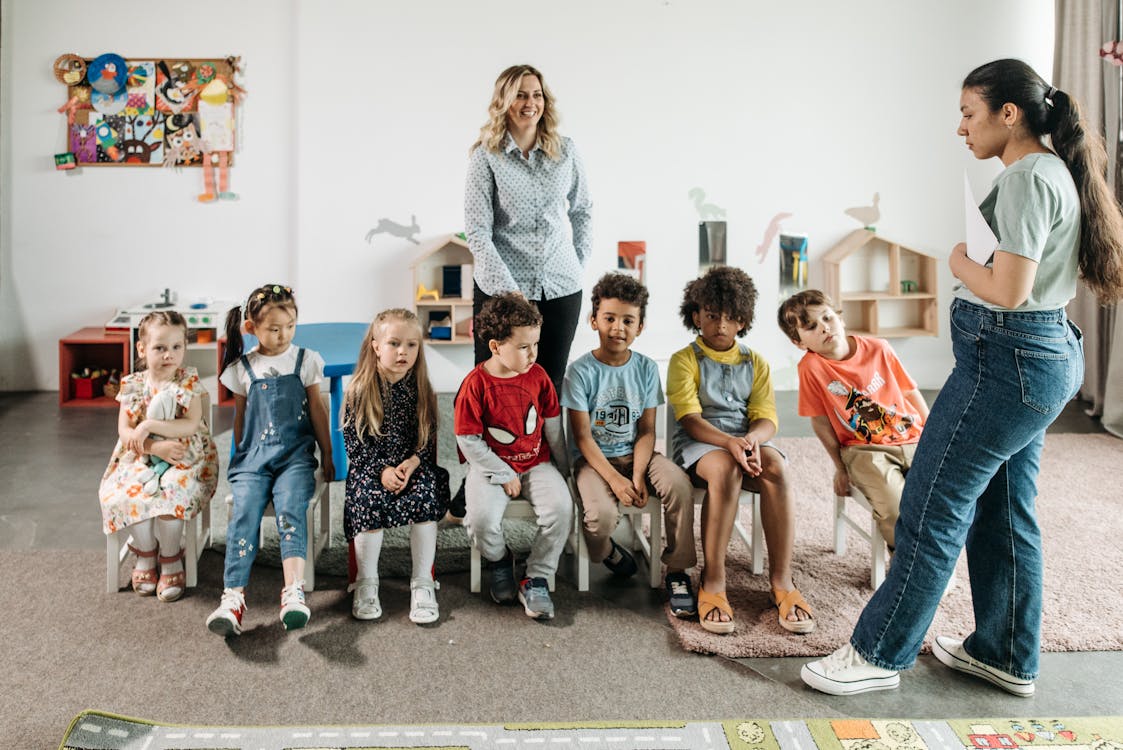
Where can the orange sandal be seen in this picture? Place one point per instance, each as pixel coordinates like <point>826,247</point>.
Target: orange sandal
<point>785,602</point>
<point>145,578</point>
<point>707,603</point>
<point>176,582</point>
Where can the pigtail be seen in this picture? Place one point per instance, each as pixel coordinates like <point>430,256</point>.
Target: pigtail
<point>234,344</point>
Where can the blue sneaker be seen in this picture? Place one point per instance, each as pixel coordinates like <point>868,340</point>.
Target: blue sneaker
<point>535,597</point>
<point>503,588</point>
<point>680,595</point>
<point>624,566</point>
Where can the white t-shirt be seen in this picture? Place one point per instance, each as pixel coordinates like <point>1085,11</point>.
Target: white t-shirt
<point>238,380</point>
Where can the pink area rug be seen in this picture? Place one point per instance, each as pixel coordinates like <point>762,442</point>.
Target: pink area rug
<point>1080,509</point>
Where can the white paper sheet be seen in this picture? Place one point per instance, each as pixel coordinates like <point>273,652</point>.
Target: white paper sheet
<point>981,242</point>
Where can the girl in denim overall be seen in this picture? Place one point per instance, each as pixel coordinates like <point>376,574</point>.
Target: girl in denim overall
<point>279,418</point>
<point>1018,361</point>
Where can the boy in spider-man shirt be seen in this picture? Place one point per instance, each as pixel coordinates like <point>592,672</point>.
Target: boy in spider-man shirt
<point>504,409</point>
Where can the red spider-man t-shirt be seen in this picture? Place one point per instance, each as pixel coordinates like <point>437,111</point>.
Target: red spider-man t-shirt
<point>509,413</point>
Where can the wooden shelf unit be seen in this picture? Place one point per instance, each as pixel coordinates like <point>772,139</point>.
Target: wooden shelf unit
<point>449,250</point>
<point>95,348</point>
<point>876,304</point>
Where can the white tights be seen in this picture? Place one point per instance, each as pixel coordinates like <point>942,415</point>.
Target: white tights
<point>422,545</point>
<point>165,532</point>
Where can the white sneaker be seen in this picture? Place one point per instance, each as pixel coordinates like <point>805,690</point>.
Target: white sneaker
<point>423,601</point>
<point>365,604</point>
<point>227,619</point>
<point>845,672</point>
<point>951,653</point>
<point>294,612</point>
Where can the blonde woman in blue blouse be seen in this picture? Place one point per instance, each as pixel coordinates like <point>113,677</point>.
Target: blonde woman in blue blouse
<point>525,182</point>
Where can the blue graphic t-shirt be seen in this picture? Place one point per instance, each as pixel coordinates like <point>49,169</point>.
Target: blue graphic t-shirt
<point>615,398</point>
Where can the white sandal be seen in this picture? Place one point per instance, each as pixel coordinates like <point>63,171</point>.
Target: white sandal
<point>365,605</point>
<point>423,601</point>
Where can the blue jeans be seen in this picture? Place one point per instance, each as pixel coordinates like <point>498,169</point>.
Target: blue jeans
<point>974,481</point>
<point>290,491</point>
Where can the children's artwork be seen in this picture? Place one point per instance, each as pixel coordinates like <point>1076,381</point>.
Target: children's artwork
<point>631,258</point>
<point>394,229</point>
<point>706,211</point>
<point>181,141</point>
<point>152,112</point>
<point>793,262</point>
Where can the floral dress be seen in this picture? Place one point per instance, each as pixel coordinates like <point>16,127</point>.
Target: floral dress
<point>185,487</point>
<point>368,504</point>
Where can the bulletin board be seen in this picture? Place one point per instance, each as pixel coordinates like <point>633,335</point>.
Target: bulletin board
<point>147,111</point>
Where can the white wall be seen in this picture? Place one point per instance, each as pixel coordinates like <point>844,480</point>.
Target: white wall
<point>363,110</point>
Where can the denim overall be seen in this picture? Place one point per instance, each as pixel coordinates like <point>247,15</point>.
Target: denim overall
<point>274,461</point>
<point>723,391</point>
<point>973,482</point>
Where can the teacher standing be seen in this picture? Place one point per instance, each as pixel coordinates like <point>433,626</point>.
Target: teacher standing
<point>1018,361</point>
<point>527,213</point>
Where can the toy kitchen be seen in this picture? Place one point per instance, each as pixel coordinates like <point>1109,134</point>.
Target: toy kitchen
<point>206,320</point>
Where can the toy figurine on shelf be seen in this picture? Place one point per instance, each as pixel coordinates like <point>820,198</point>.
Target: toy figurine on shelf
<point>217,98</point>
<point>423,292</point>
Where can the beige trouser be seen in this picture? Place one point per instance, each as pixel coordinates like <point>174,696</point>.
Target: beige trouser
<point>879,472</point>
<point>667,483</point>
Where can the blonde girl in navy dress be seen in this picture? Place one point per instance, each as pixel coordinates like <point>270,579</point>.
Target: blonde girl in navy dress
<point>390,432</point>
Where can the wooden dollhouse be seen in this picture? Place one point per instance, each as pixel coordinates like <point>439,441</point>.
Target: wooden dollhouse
<point>442,290</point>
<point>884,288</point>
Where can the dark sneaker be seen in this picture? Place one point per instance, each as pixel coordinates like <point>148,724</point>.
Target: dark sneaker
<point>680,595</point>
<point>503,588</point>
<point>534,595</point>
<point>625,564</point>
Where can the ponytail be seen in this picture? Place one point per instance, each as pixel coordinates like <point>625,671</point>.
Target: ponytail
<point>234,343</point>
<point>1101,224</point>
<point>1048,111</point>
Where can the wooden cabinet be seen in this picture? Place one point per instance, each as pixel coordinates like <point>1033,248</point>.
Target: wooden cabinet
<point>445,313</point>
<point>884,288</point>
<point>95,348</point>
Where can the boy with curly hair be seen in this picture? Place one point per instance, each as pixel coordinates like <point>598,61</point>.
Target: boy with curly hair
<point>611,394</point>
<point>721,393</point>
<point>508,423</point>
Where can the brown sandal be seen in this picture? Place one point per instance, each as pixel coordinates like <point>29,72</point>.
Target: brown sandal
<point>785,602</point>
<point>177,582</point>
<point>707,603</point>
<point>143,577</point>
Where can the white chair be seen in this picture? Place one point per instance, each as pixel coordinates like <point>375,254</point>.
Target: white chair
<point>866,529</point>
<point>752,539</point>
<point>628,534</point>
<point>317,541</point>
<point>196,538</point>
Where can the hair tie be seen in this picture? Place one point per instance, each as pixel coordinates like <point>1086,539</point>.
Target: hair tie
<point>1051,93</point>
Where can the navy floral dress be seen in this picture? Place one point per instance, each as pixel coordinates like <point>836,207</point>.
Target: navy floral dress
<point>371,506</point>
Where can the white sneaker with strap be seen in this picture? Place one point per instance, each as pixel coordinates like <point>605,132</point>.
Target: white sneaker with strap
<point>423,601</point>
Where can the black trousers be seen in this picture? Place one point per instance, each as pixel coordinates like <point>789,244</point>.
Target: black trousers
<point>559,323</point>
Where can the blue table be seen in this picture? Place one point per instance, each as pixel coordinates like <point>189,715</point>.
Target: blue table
<point>338,344</point>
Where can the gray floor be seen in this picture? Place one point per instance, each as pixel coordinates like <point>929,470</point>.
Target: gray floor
<point>51,459</point>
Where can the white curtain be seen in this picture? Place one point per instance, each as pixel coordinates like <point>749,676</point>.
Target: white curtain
<point>1082,27</point>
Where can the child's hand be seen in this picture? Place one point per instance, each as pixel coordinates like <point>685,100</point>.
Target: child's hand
<point>171,451</point>
<point>406,468</point>
<point>752,455</point>
<point>134,440</point>
<point>624,491</point>
<point>513,488</point>
<point>739,447</point>
<point>327,467</point>
<point>392,479</point>
<point>640,485</point>
<point>841,482</point>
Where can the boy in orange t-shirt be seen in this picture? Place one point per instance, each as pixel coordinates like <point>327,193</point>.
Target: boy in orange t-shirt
<point>865,409</point>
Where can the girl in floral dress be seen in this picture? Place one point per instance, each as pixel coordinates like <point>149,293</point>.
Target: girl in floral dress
<point>390,432</point>
<point>164,468</point>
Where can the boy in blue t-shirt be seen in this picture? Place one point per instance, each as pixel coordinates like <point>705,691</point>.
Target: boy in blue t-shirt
<point>611,394</point>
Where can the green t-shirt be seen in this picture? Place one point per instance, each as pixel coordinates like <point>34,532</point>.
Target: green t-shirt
<point>1034,210</point>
